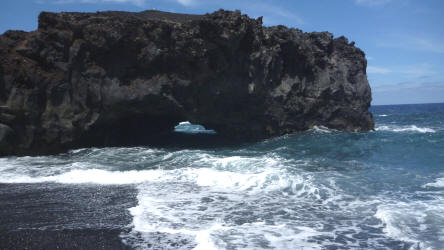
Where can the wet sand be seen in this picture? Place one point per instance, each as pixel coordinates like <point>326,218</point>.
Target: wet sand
<point>56,216</point>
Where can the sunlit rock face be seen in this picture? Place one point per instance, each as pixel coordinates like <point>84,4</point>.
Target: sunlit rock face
<point>120,78</point>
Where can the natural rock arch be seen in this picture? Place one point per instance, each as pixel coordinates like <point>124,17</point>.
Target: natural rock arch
<point>119,78</point>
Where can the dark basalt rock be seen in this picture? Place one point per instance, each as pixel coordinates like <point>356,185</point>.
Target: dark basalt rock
<point>119,78</point>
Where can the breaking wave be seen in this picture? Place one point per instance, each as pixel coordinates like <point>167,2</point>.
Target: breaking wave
<point>411,128</point>
<point>438,183</point>
<point>417,222</point>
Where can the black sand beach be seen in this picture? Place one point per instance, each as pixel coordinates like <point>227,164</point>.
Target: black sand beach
<point>53,216</point>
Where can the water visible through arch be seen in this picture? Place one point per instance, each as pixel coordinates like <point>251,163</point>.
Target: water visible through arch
<point>189,128</point>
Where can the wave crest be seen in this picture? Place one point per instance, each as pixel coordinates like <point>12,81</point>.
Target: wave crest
<point>411,128</point>
<point>439,183</point>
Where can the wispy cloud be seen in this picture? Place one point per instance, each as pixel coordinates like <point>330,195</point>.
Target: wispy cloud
<point>408,92</point>
<point>415,83</point>
<point>372,3</point>
<point>139,3</point>
<point>377,70</point>
<point>415,71</point>
<point>423,70</point>
<point>413,43</point>
<point>437,85</point>
<point>187,2</point>
<point>430,45</point>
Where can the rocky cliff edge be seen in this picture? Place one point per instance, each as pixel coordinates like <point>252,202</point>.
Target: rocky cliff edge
<point>120,78</point>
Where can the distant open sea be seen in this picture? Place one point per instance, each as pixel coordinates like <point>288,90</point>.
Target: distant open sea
<point>319,189</point>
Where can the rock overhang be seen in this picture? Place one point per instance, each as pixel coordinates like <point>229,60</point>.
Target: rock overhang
<point>120,78</point>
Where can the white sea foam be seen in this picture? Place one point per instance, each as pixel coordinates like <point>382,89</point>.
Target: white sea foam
<point>417,222</point>
<point>322,129</point>
<point>177,210</point>
<point>244,201</point>
<point>411,128</point>
<point>219,180</point>
<point>202,236</point>
<point>194,199</point>
<point>207,202</point>
<point>285,238</point>
<point>269,180</point>
<point>383,115</point>
<point>254,174</point>
<point>242,164</point>
<point>95,176</point>
<point>439,183</point>
<point>395,227</point>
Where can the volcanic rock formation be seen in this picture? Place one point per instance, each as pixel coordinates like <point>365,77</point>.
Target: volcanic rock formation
<point>120,78</point>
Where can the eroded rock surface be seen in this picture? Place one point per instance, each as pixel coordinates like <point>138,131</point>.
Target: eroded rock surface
<point>119,78</point>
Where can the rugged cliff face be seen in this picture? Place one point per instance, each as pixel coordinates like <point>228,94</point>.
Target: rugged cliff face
<point>119,78</point>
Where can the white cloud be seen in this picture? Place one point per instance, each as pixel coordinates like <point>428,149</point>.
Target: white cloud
<point>135,2</point>
<point>418,70</point>
<point>187,2</point>
<point>430,45</point>
<point>372,3</point>
<point>414,71</point>
<point>139,3</point>
<point>408,92</point>
<point>413,42</point>
<point>377,70</point>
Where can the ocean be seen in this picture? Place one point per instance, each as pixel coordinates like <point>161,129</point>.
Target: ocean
<point>319,189</point>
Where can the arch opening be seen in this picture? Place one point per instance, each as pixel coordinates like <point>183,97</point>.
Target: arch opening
<point>187,127</point>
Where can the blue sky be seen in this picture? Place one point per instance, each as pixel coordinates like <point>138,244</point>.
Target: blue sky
<point>403,39</point>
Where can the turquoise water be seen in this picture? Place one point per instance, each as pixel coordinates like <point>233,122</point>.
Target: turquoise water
<point>320,189</point>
